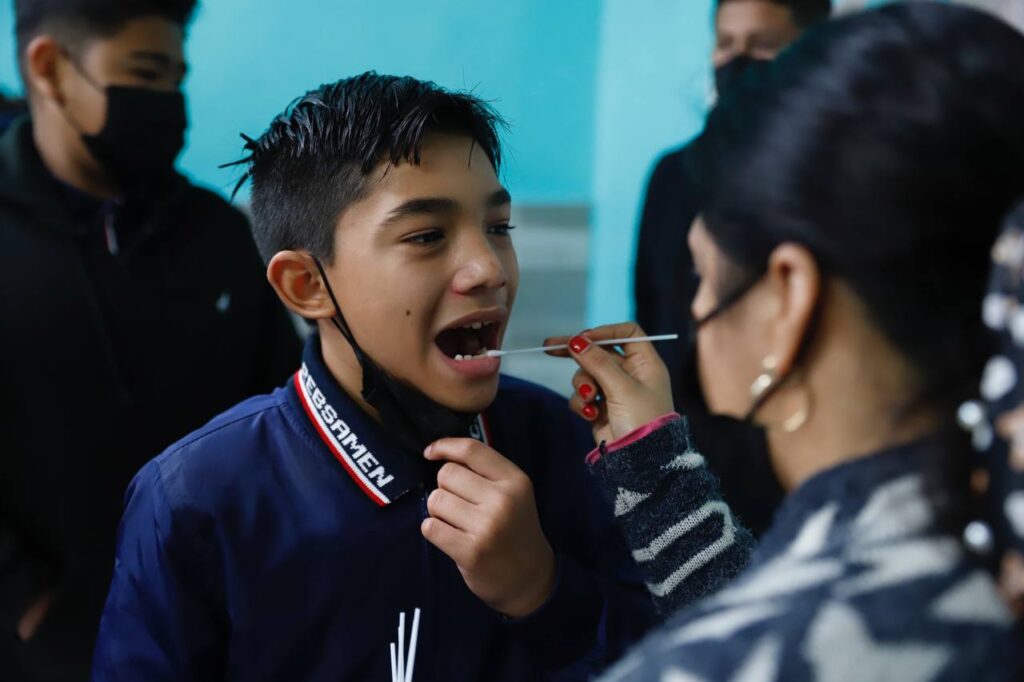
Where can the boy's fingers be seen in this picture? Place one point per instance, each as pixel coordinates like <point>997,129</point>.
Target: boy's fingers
<point>464,482</point>
<point>453,510</point>
<point>452,541</point>
<point>473,455</point>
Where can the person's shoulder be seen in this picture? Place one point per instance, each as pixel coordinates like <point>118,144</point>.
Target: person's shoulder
<point>209,203</point>
<point>222,455</point>
<point>673,162</point>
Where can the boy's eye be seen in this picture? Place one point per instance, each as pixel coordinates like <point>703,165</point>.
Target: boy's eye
<point>147,75</point>
<point>425,238</point>
<point>501,230</point>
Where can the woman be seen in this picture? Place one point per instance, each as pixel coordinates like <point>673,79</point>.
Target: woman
<point>853,191</point>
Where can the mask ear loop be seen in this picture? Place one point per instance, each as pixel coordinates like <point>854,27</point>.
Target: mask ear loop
<point>767,383</point>
<point>339,320</point>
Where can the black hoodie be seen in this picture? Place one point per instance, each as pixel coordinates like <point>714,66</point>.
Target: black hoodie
<point>107,355</point>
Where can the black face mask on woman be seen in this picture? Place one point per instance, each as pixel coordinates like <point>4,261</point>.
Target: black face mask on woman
<point>408,414</point>
<point>143,133</point>
<point>691,392</point>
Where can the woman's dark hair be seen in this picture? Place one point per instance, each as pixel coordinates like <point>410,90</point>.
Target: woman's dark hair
<point>890,144</point>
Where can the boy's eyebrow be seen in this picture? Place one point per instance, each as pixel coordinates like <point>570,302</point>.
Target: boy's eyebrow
<point>499,198</point>
<point>421,206</point>
<point>435,205</point>
<point>161,60</point>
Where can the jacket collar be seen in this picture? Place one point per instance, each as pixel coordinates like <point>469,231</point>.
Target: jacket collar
<point>382,469</point>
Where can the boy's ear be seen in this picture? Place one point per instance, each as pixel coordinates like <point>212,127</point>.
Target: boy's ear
<point>42,66</point>
<point>297,281</point>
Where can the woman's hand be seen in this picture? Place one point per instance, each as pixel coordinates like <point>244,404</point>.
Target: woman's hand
<point>616,392</point>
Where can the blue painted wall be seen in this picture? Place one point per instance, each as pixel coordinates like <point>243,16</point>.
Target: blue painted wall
<point>653,90</point>
<point>535,59</point>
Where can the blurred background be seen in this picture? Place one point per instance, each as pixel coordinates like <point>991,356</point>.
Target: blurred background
<point>594,90</point>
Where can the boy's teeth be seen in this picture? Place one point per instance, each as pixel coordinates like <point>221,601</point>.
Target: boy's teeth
<point>482,354</point>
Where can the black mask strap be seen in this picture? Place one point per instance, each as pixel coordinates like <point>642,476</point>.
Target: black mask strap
<point>338,320</point>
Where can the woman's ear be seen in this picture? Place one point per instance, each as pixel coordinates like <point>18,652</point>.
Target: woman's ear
<point>298,284</point>
<point>795,280</point>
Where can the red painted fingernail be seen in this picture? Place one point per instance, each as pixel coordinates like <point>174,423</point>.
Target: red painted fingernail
<point>585,390</point>
<point>578,344</point>
<point>590,412</point>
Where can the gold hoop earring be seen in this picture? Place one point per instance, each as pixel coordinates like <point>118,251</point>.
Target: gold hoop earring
<point>767,382</point>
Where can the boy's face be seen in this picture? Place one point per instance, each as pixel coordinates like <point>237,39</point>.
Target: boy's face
<point>424,271</point>
<point>144,53</point>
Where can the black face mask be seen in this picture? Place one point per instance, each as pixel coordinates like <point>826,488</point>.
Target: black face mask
<point>729,74</point>
<point>690,393</point>
<point>143,134</point>
<point>411,417</point>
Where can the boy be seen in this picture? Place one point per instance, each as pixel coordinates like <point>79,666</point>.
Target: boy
<point>123,285</point>
<point>282,540</point>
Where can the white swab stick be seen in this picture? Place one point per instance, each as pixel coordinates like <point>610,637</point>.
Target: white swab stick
<point>394,668</point>
<point>401,647</point>
<point>412,645</point>
<point>563,346</point>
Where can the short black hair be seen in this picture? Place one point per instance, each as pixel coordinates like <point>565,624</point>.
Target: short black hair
<point>805,13</point>
<point>314,159</point>
<point>74,21</point>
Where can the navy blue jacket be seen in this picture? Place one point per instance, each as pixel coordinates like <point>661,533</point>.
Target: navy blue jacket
<point>281,541</point>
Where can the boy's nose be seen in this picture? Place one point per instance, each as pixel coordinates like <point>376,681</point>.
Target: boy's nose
<point>482,271</point>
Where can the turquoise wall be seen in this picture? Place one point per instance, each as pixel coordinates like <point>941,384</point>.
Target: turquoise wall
<point>534,59</point>
<point>595,90</point>
<point>653,90</point>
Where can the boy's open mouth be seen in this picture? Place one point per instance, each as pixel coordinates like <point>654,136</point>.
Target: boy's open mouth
<point>469,341</point>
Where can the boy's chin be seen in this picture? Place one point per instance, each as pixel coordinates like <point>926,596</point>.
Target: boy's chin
<point>467,399</point>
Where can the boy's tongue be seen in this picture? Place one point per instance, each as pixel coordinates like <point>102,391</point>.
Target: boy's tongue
<point>470,342</point>
<point>460,342</point>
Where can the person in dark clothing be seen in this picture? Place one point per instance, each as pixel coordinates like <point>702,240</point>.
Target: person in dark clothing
<point>134,308</point>
<point>745,31</point>
<point>10,109</point>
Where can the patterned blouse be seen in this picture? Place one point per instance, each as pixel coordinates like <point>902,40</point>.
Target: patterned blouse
<point>853,581</point>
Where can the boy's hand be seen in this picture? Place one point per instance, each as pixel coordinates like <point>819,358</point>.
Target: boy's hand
<point>484,517</point>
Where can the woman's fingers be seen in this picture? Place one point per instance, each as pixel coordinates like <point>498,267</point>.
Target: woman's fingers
<point>585,387</point>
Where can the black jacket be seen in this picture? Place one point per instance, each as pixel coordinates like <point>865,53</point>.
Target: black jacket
<point>665,285</point>
<point>105,360</point>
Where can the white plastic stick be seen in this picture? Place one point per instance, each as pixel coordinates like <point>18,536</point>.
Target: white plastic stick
<point>394,668</point>
<point>412,645</point>
<point>563,346</point>
<point>401,647</point>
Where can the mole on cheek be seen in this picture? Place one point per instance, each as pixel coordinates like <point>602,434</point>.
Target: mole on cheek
<point>408,313</point>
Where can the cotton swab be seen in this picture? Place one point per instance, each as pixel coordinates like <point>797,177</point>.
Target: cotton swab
<point>412,645</point>
<point>401,647</point>
<point>564,346</point>
<point>401,670</point>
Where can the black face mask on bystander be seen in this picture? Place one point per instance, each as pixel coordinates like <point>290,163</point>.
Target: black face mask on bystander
<point>143,133</point>
<point>729,74</point>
